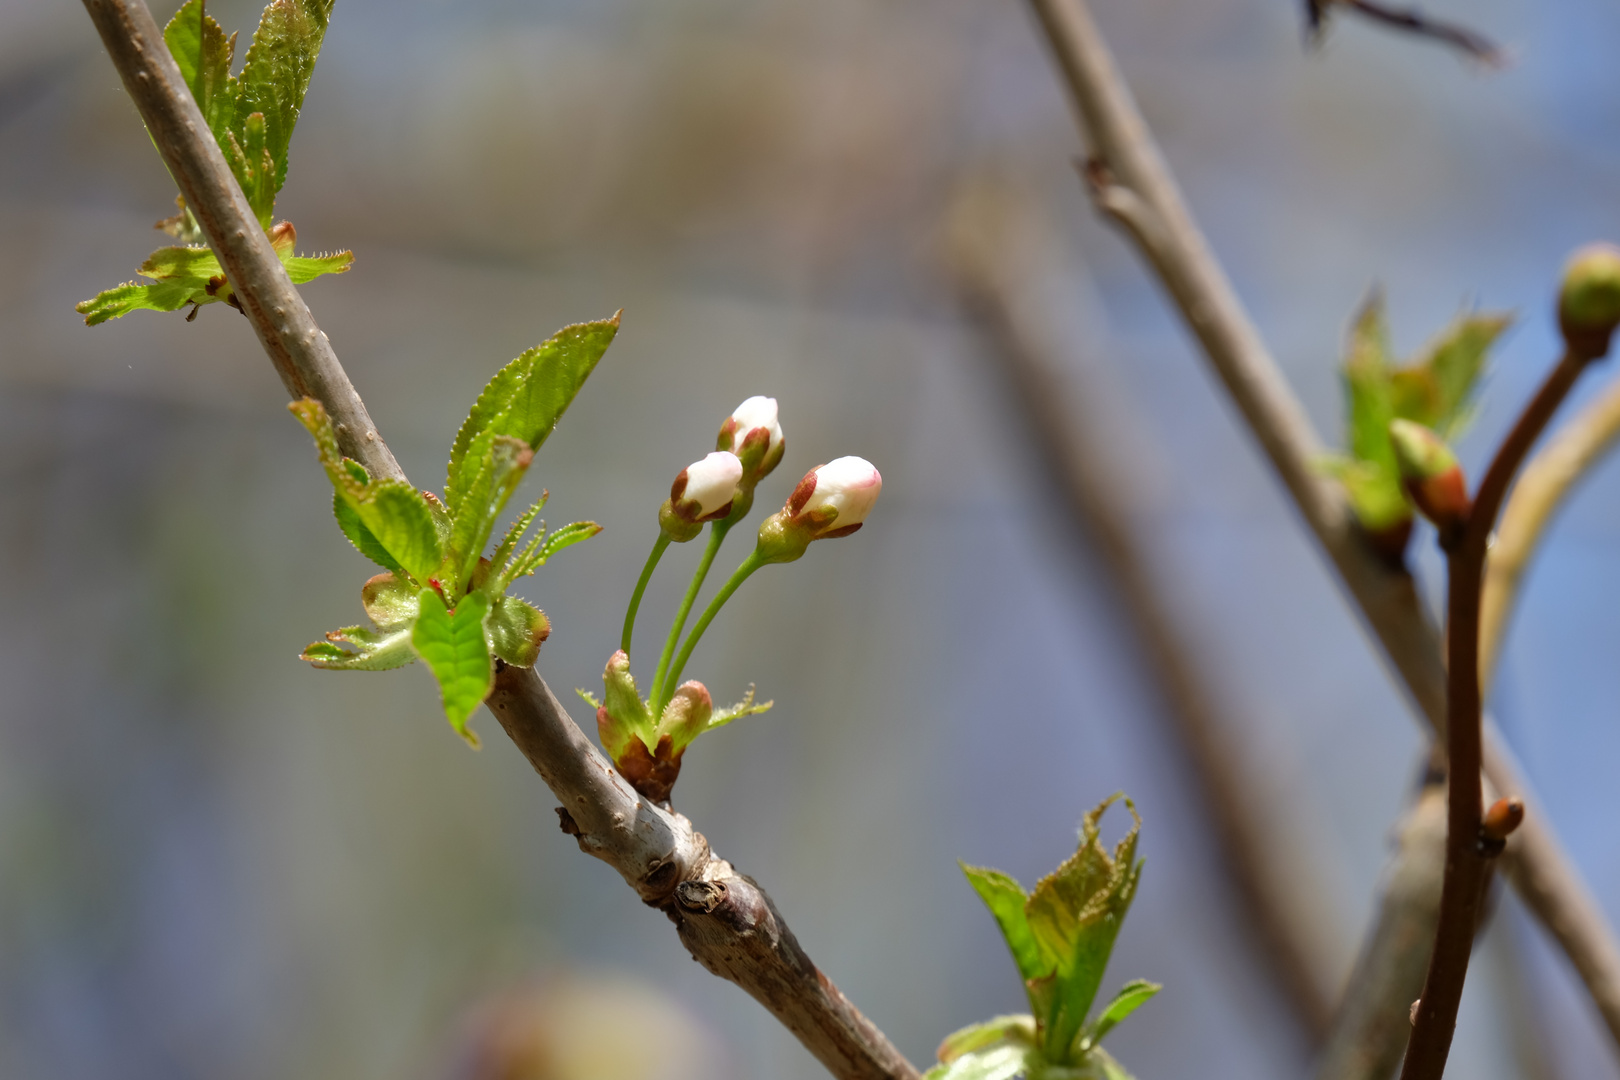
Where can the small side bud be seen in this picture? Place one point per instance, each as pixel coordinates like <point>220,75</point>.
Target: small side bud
<point>1589,302</point>
<point>622,719</point>
<point>686,716</point>
<point>1431,475</point>
<point>703,491</point>
<point>832,500</point>
<point>1501,818</point>
<point>1411,1014</point>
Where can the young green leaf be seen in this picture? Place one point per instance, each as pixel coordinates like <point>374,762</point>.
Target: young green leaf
<point>373,651</point>
<point>274,79</point>
<point>1132,996</point>
<point>1436,390</point>
<point>303,269</point>
<point>1006,899</point>
<point>452,644</point>
<point>1075,914</point>
<point>348,477</point>
<point>526,398</point>
<point>396,515</point>
<point>514,536</point>
<point>348,519</point>
<point>516,630</point>
<point>504,464</point>
<point>123,299</point>
<point>542,547</point>
<point>203,52</point>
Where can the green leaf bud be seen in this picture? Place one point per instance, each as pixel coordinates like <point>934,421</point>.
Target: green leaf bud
<point>1431,474</point>
<point>686,716</point>
<point>1589,303</point>
<point>622,718</point>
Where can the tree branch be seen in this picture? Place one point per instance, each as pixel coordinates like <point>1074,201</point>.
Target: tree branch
<point>725,920</point>
<point>1280,913</point>
<point>1577,445</point>
<point>1466,856</point>
<point>1125,157</point>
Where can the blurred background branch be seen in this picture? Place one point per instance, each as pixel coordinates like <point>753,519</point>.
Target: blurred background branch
<point>1124,156</point>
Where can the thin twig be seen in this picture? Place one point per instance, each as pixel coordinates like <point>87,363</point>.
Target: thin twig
<point>1466,857</point>
<point>1279,912</point>
<point>1412,21</point>
<point>1570,453</point>
<point>725,920</point>
<point>1373,1024</point>
<point>1124,154</point>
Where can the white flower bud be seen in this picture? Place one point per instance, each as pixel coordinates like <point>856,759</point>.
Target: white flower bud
<point>754,434</point>
<point>835,498</point>
<point>704,489</point>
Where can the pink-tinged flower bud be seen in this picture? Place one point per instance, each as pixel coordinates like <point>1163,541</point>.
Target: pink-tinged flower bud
<point>831,501</point>
<point>703,491</point>
<point>754,434</point>
<point>1431,475</point>
<point>1589,302</point>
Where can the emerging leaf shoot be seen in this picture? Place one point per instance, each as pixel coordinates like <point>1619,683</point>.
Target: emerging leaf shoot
<point>441,599</point>
<point>251,117</point>
<point>1435,390</point>
<point>1060,936</point>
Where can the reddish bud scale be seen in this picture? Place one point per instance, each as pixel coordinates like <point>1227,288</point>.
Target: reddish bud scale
<point>1443,499</point>
<point>1503,817</point>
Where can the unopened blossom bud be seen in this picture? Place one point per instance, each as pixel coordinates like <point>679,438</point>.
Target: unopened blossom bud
<point>1431,475</point>
<point>622,717</point>
<point>703,491</point>
<point>754,434</point>
<point>686,716</point>
<point>831,501</point>
<point>1589,302</point>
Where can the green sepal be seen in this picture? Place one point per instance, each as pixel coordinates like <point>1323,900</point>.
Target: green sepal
<point>1074,914</point>
<point>453,646</point>
<point>1006,899</point>
<point>399,520</point>
<point>274,79</point>
<point>364,542</point>
<point>373,651</point>
<point>516,629</point>
<point>745,707</point>
<point>203,52</point>
<point>526,398</point>
<point>1132,996</point>
<point>390,601</point>
<point>504,463</point>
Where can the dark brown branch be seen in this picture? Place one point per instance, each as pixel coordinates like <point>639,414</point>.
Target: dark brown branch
<point>1466,857</point>
<point>1277,910</point>
<point>1131,182</point>
<point>724,919</point>
<point>1411,21</point>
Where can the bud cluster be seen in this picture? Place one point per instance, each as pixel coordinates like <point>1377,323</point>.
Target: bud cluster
<point>646,737</point>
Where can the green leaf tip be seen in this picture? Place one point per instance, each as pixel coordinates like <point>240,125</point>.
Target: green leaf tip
<point>526,398</point>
